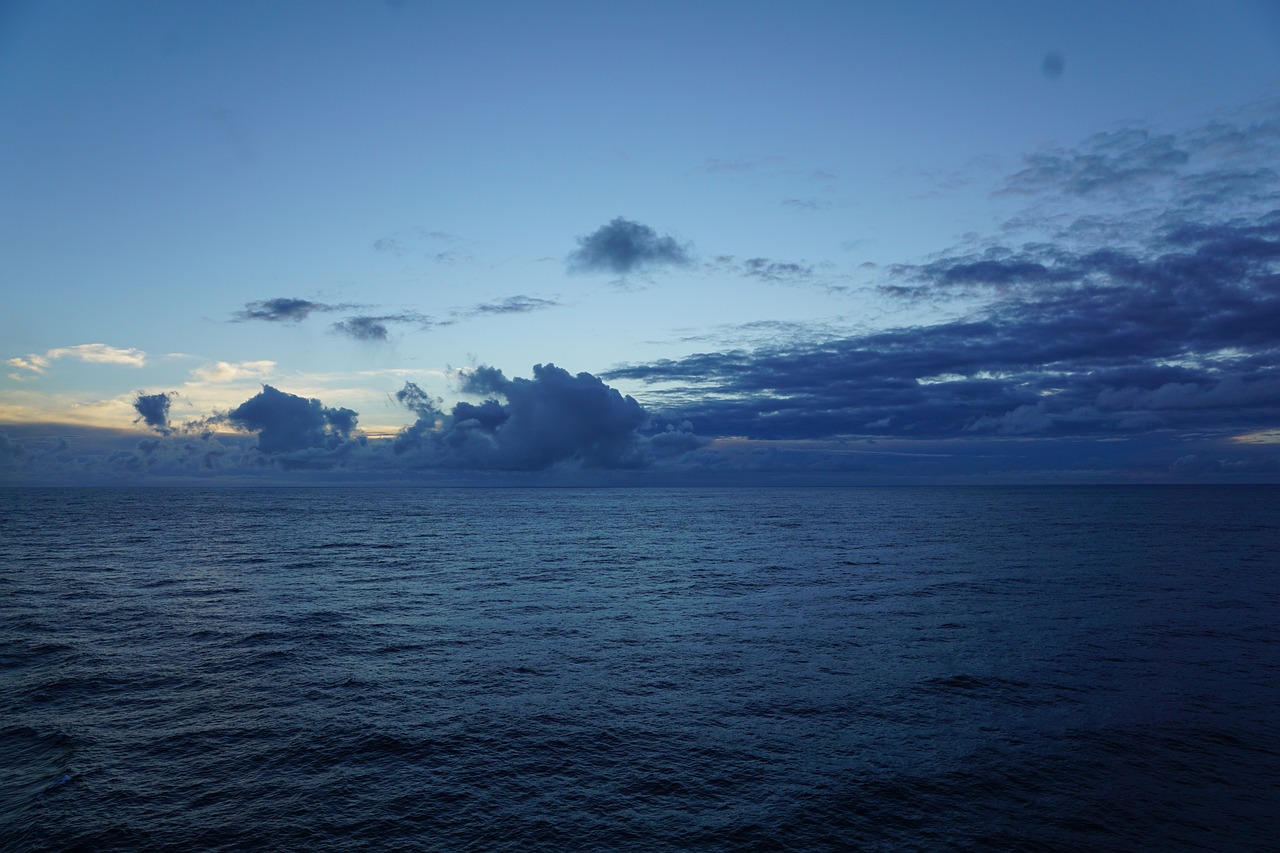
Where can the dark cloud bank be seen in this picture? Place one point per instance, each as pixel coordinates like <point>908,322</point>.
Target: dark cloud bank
<point>1153,312</point>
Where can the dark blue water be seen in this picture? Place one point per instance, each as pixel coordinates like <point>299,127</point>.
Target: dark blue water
<point>804,669</point>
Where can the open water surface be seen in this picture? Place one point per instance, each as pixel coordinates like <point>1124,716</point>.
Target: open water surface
<point>735,669</point>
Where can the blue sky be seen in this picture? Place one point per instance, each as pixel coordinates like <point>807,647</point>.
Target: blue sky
<point>923,240</point>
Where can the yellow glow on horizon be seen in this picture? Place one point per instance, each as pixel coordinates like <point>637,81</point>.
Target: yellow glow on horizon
<point>1264,436</point>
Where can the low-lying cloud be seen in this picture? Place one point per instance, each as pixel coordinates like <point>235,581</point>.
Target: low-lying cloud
<point>288,423</point>
<point>525,424</point>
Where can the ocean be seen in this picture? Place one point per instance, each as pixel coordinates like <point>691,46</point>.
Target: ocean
<point>988,668</point>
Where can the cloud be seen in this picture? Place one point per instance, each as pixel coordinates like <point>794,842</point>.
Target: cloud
<point>623,246</point>
<point>1109,162</point>
<point>374,328</point>
<point>33,363</point>
<point>287,423</point>
<point>1182,333</point>
<point>771,271</point>
<point>526,424</point>
<point>805,204</point>
<point>510,305</point>
<point>439,246</point>
<point>283,310</point>
<point>153,410</point>
<point>225,371</point>
<point>91,353</point>
<point>1222,166</point>
<point>11,452</point>
<point>362,328</point>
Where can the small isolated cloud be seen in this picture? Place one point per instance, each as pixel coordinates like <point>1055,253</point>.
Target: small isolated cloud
<point>282,310</point>
<point>225,371</point>
<point>92,353</point>
<point>288,423</point>
<point>153,410</point>
<point>623,246</point>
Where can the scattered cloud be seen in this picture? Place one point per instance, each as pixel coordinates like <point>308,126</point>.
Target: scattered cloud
<point>225,371</point>
<point>374,328</point>
<point>91,353</point>
<point>283,310</point>
<point>510,305</point>
<point>805,205</point>
<point>623,246</point>
<point>153,410</point>
<point>1174,331</point>
<point>439,246</point>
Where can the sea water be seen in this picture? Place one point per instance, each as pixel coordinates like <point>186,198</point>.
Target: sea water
<point>709,669</point>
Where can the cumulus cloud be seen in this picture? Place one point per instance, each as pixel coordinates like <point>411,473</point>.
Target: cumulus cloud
<point>526,424</point>
<point>623,246</point>
<point>287,423</point>
<point>153,410</point>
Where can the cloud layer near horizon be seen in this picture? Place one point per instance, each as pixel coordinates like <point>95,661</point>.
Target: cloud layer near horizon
<point>1121,324</point>
<point>1135,297</point>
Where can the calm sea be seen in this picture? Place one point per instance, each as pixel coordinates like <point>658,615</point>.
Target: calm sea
<point>525,669</point>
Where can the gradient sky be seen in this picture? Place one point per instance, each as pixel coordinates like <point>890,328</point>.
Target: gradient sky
<point>877,241</point>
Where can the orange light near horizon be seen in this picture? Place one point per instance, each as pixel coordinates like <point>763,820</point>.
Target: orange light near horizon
<point>1265,436</point>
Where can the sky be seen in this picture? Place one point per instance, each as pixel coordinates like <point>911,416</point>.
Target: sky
<point>644,243</point>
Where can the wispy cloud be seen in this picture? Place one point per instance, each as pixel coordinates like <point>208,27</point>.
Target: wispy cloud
<point>283,310</point>
<point>91,353</point>
<point>374,328</point>
<point>519,304</point>
<point>765,269</point>
<point>439,246</point>
<point>226,371</point>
